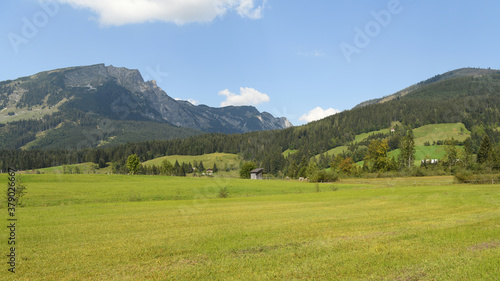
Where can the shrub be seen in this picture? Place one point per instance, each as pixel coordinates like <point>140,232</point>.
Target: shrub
<point>464,176</point>
<point>223,193</point>
<point>419,172</point>
<point>324,176</point>
<point>135,197</point>
<point>246,169</point>
<point>334,188</point>
<point>19,192</point>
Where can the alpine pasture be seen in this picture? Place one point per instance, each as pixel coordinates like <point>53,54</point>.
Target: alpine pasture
<point>119,227</point>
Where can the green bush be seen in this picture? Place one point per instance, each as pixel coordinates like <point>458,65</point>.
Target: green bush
<point>246,168</point>
<point>324,176</point>
<point>464,176</point>
<point>19,192</point>
<point>419,172</point>
<point>223,193</point>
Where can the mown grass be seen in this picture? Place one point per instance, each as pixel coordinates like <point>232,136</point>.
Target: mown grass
<point>435,132</point>
<point>366,230</point>
<point>425,152</point>
<point>64,189</point>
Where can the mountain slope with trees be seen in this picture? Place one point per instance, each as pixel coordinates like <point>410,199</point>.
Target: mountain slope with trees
<point>103,105</point>
<point>473,101</point>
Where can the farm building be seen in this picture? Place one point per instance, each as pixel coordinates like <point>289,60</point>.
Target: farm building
<point>257,174</point>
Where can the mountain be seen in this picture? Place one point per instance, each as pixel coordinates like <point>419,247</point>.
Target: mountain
<point>459,73</point>
<point>473,100</point>
<point>47,109</point>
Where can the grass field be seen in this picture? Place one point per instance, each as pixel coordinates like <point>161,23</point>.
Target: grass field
<point>93,227</point>
<point>428,133</point>
<point>85,168</point>
<point>425,152</point>
<point>435,132</point>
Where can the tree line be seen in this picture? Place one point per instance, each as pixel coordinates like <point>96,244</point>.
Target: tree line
<point>476,105</point>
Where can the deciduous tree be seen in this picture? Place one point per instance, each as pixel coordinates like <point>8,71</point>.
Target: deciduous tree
<point>407,147</point>
<point>377,155</point>
<point>133,164</point>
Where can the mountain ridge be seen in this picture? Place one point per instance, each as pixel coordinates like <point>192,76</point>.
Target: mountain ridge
<point>457,73</point>
<point>93,94</point>
<point>473,100</point>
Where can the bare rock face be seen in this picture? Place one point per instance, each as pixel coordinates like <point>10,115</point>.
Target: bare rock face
<point>106,90</point>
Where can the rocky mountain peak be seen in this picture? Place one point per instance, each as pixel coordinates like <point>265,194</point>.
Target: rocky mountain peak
<point>119,92</point>
<point>98,74</point>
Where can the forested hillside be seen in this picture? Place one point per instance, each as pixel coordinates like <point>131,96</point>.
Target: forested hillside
<point>98,105</point>
<point>473,101</point>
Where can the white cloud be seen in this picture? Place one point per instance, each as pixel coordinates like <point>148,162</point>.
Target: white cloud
<point>248,96</point>
<point>246,9</point>
<point>191,101</point>
<point>114,12</point>
<point>317,114</point>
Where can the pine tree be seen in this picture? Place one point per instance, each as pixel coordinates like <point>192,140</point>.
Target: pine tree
<point>293,169</point>
<point>304,164</point>
<point>468,152</point>
<point>177,168</point>
<point>451,153</point>
<point>485,150</point>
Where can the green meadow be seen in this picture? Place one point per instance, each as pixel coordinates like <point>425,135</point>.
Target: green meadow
<point>429,133</point>
<point>117,227</point>
<point>425,152</point>
<point>220,159</point>
<point>435,132</point>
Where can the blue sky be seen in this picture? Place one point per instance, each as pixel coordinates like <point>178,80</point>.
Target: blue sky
<point>298,59</point>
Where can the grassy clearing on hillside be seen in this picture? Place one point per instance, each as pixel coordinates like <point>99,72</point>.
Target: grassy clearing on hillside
<point>337,150</point>
<point>437,132</point>
<point>365,231</point>
<point>289,152</point>
<point>425,152</point>
<point>221,159</point>
<point>428,133</point>
<point>362,137</point>
<point>85,168</point>
<point>36,112</point>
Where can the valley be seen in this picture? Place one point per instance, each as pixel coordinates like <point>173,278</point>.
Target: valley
<point>345,197</point>
<point>119,227</point>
